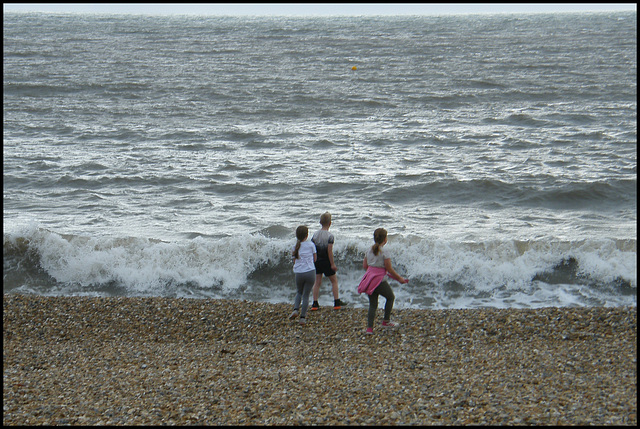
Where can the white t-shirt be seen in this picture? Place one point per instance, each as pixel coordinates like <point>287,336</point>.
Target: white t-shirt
<point>377,260</point>
<point>305,261</point>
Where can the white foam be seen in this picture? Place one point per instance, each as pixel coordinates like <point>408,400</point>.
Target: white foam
<point>251,266</point>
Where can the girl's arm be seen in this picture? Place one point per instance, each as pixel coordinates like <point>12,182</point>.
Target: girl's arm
<point>364,264</point>
<point>315,257</point>
<point>392,272</point>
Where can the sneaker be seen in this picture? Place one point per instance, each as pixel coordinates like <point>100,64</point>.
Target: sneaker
<point>315,306</point>
<point>303,321</point>
<point>294,314</point>
<point>369,331</point>
<point>389,324</point>
<point>338,304</point>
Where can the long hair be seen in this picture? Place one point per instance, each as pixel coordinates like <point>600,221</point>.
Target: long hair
<point>379,235</point>
<point>302,232</point>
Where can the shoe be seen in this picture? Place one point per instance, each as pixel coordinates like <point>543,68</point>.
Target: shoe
<point>315,306</point>
<point>338,304</point>
<point>369,331</point>
<point>303,321</point>
<point>386,324</point>
<point>294,314</point>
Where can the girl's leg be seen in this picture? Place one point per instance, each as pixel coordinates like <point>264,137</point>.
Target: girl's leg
<point>385,290</point>
<point>373,307</point>
<point>309,281</point>
<point>300,289</point>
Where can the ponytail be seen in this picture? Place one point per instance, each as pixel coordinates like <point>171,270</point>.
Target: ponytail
<point>302,232</point>
<point>375,249</point>
<point>379,235</point>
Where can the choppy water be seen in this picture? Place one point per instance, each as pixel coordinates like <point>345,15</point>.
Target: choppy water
<point>175,156</point>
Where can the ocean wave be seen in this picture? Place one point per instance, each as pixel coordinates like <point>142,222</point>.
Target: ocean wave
<point>526,192</point>
<point>40,261</point>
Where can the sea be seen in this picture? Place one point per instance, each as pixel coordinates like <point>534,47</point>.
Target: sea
<point>174,156</point>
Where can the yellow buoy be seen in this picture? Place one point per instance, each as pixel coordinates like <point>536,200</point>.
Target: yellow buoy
<point>354,68</point>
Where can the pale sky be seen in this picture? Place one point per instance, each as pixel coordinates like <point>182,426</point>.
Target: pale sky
<point>317,9</point>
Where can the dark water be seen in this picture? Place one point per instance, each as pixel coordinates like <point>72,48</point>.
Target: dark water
<point>175,156</point>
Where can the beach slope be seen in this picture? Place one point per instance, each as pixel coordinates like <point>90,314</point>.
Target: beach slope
<point>151,361</point>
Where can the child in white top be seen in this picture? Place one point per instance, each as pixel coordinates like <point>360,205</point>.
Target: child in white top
<point>304,257</point>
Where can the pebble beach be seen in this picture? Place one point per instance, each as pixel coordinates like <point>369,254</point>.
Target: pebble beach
<point>164,361</point>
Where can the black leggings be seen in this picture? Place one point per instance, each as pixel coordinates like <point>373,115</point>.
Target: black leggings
<point>385,290</point>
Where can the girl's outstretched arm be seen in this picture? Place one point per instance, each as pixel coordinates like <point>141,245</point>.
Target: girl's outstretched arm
<point>392,272</point>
